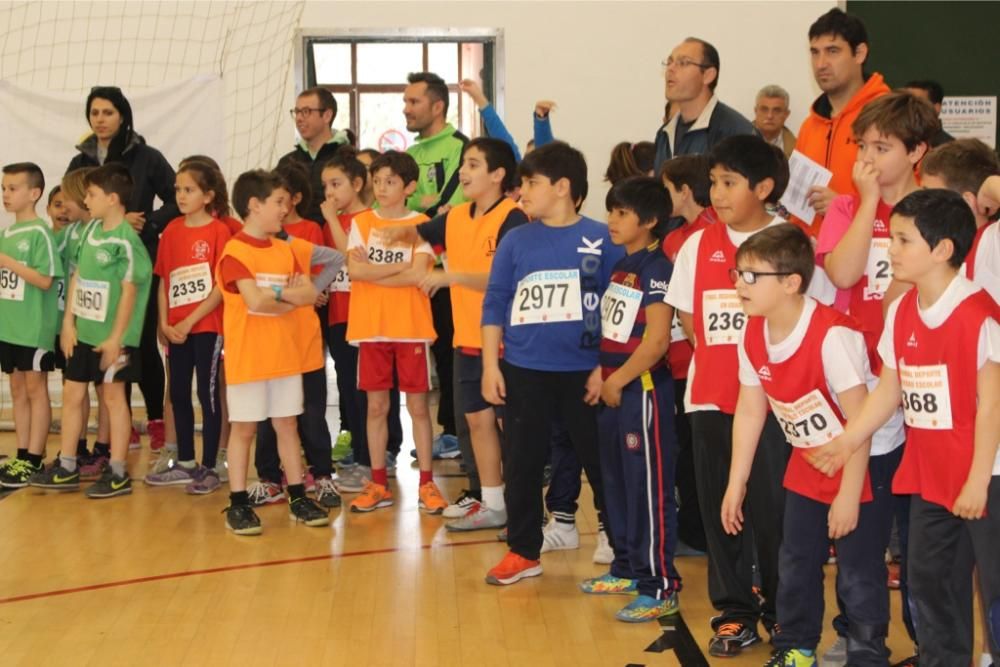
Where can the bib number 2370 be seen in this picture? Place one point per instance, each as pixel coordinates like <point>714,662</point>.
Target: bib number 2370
<point>547,296</point>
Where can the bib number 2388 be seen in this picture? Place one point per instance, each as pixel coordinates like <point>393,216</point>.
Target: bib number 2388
<point>547,296</point>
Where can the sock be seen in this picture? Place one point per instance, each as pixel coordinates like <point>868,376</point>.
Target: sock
<point>35,459</point>
<point>600,526</point>
<point>297,491</point>
<point>564,519</point>
<point>380,476</point>
<point>81,447</point>
<point>985,660</point>
<point>806,652</point>
<point>118,468</point>
<point>188,465</point>
<point>237,498</point>
<point>22,454</point>
<point>426,476</point>
<point>102,449</point>
<point>493,498</point>
<point>68,463</point>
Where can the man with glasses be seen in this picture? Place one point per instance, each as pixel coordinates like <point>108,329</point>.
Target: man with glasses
<point>701,121</point>
<point>314,113</point>
<point>770,113</point>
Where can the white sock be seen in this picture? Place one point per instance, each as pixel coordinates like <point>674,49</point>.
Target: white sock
<point>985,660</point>
<point>493,498</point>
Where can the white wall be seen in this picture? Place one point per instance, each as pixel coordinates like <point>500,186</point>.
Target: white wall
<point>601,60</point>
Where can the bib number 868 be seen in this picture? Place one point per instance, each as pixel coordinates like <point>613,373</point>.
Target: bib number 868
<point>917,402</point>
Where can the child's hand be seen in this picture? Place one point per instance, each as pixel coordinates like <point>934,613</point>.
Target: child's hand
<point>592,393</point>
<point>820,198</point>
<point>137,219</point>
<point>184,327</point>
<point>971,502</point>
<point>544,107</point>
<point>829,458</point>
<point>611,391</point>
<point>329,209</point>
<point>843,517</point>
<point>398,235</point>
<point>173,335</point>
<point>358,255</point>
<point>988,198</point>
<point>434,281</point>
<point>866,181</point>
<point>322,298</point>
<point>110,351</point>
<point>67,337</point>
<point>732,508</point>
<point>475,91</point>
<point>493,386</point>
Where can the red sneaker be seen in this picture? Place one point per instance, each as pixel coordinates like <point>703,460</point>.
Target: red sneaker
<point>156,431</point>
<point>512,569</point>
<point>133,441</point>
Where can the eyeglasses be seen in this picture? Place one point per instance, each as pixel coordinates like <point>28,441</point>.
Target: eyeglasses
<point>304,111</point>
<point>750,277</point>
<point>683,62</point>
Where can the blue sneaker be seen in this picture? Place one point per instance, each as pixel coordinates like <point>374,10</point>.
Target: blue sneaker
<point>645,608</point>
<point>444,447</point>
<point>607,584</point>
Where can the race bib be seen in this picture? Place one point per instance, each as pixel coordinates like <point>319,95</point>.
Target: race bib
<point>677,329</point>
<point>723,316</point>
<point>11,286</point>
<point>91,299</point>
<point>342,283</point>
<point>267,281</point>
<point>808,421</point>
<point>547,296</point>
<point>878,269</point>
<point>61,294</point>
<point>619,307</point>
<point>926,399</point>
<point>379,253</point>
<point>190,284</point>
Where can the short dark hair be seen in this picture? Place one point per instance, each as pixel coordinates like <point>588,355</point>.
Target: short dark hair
<point>935,93</point>
<point>325,97</point>
<point>646,197</point>
<point>963,164</point>
<point>556,160</point>
<point>399,163</point>
<point>939,215</point>
<point>346,160</point>
<point>499,155</point>
<point>370,152</point>
<point>36,179</point>
<point>53,193</point>
<point>628,159</point>
<point>692,171</point>
<point>255,184</point>
<point>296,179</point>
<point>901,115</point>
<point>785,247</point>
<point>437,89</point>
<point>838,23</point>
<point>709,58</point>
<point>113,178</point>
<point>754,159</point>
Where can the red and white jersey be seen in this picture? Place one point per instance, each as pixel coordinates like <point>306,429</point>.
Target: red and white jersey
<point>982,265</point>
<point>680,351</point>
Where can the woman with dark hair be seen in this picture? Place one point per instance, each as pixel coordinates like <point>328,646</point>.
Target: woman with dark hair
<point>114,140</point>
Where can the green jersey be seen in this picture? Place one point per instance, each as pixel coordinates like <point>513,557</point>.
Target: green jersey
<point>438,158</point>
<point>104,260</point>
<point>29,315</point>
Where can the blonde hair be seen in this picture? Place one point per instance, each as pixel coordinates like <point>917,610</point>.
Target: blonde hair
<point>74,185</point>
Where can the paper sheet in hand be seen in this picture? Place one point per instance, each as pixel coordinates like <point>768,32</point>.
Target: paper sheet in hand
<point>803,174</point>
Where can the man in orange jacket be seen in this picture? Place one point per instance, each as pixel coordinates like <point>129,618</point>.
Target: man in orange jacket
<point>838,44</point>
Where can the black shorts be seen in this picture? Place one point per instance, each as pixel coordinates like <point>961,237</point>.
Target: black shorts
<point>85,366</point>
<point>60,358</point>
<point>21,358</point>
<point>469,368</point>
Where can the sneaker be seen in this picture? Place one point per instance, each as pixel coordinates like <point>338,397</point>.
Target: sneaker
<point>480,517</point>
<point>91,467</point>
<point>792,657</point>
<point>242,520</point>
<point>512,569</point>
<point>731,638</point>
<point>326,493</point>
<point>308,512</point>
<point>608,584</point>
<point>157,434</point>
<point>390,464</point>
<point>203,481</point>
<point>16,473</point>
<point>346,461</point>
<point>110,485</point>
<point>175,475</point>
<point>56,478</point>
<point>445,446</point>
<point>352,479</point>
<point>912,661</point>
<point>836,655</point>
<point>264,493</point>
<point>431,500</point>
<point>134,442</point>
<point>165,461</point>
<point>341,447</point>
<point>502,535</point>
<point>894,574</point>
<point>558,536</point>
<point>222,466</point>
<point>373,497</point>
<point>603,553</point>
<point>462,505</point>
<point>832,558</point>
<point>645,608</point>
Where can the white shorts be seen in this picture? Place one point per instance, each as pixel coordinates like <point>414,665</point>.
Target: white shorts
<point>257,401</point>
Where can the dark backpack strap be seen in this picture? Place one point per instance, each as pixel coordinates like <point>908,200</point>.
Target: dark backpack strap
<point>449,189</point>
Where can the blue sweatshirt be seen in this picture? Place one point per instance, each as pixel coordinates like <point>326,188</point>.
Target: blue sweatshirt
<point>545,292</point>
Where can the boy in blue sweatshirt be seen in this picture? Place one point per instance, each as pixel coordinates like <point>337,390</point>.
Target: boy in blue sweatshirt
<point>543,303</point>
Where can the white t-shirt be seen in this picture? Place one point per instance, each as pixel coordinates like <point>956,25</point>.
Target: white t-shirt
<point>986,267</point>
<point>845,365</point>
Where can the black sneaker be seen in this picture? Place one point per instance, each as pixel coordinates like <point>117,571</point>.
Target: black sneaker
<point>110,485</point>
<point>308,512</point>
<point>731,638</point>
<point>16,473</point>
<point>57,478</point>
<point>912,661</point>
<point>326,493</point>
<point>242,520</point>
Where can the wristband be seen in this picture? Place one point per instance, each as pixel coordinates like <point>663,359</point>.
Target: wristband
<point>277,289</point>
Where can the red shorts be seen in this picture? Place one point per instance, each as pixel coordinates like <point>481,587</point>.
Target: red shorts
<point>411,361</point>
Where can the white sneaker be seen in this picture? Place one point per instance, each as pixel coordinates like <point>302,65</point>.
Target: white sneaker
<point>165,460</point>
<point>603,553</point>
<point>836,655</point>
<point>559,536</point>
<point>352,478</point>
<point>461,506</point>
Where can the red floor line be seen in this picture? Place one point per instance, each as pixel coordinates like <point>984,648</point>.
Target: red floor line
<point>232,568</point>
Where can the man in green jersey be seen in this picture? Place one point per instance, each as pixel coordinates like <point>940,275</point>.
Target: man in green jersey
<point>100,334</point>
<point>29,266</point>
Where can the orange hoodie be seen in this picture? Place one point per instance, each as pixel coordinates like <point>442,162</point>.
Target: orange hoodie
<point>830,140</point>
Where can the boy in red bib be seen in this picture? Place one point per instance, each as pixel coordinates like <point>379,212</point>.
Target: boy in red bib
<point>940,352</point>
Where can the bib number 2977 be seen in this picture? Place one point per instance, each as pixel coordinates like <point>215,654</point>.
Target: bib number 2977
<point>547,296</point>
